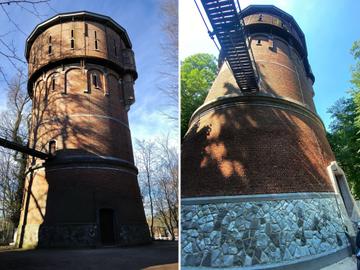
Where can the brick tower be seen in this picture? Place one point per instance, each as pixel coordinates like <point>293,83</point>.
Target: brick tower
<point>81,76</point>
<point>260,184</point>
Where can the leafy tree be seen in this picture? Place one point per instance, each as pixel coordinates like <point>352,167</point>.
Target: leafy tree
<point>198,71</point>
<point>355,81</point>
<point>344,141</point>
<point>344,135</point>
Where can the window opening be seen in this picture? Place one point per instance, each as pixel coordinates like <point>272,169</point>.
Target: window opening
<point>95,80</point>
<point>72,43</point>
<point>96,41</point>
<point>50,46</point>
<point>52,147</point>
<point>53,83</point>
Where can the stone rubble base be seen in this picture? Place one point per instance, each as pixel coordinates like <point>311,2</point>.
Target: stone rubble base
<point>244,234</point>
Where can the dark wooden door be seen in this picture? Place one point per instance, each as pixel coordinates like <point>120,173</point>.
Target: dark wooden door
<point>107,226</point>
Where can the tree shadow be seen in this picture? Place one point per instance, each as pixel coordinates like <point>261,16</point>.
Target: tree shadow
<point>93,169</point>
<point>254,145</point>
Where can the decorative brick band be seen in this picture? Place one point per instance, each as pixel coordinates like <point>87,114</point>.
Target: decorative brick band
<point>258,99</point>
<point>260,232</point>
<point>87,162</point>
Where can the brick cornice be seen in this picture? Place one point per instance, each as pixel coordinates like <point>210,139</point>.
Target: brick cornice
<point>257,99</point>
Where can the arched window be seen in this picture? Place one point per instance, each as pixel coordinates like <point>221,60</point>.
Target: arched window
<point>52,148</point>
<point>51,81</point>
<point>95,80</point>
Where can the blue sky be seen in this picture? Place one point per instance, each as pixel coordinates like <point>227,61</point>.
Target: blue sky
<point>142,20</point>
<point>330,28</point>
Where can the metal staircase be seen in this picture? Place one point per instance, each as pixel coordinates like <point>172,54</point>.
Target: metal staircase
<point>229,30</point>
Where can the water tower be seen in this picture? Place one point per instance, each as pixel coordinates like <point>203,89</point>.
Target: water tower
<point>260,184</point>
<point>81,76</point>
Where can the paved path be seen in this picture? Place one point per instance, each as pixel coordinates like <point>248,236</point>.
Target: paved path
<point>347,264</point>
<point>158,256</point>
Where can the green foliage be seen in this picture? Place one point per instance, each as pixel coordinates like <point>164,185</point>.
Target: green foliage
<point>344,135</point>
<point>343,138</point>
<point>197,74</point>
<point>355,81</point>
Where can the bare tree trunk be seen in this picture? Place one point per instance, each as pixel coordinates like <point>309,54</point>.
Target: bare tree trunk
<point>14,126</point>
<point>169,11</point>
<point>146,162</point>
<point>151,202</point>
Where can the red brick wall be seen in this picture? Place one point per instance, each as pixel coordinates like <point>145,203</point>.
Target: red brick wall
<point>254,149</point>
<point>78,119</point>
<point>83,45</point>
<point>280,68</point>
<point>94,166</point>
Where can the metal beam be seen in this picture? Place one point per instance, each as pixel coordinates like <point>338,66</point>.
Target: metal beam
<point>23,149</point>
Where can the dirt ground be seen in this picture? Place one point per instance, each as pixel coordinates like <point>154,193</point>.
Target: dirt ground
<point>158,256</point>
